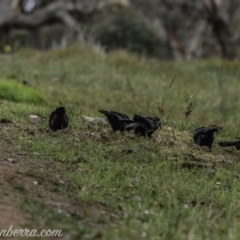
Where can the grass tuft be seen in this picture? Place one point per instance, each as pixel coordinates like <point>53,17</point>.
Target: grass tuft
<point>15,92</point>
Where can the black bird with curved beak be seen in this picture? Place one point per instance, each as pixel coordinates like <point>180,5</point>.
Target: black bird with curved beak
<point>204,136</point>
<point>144,126</point>
<point>235,144</point>
<point>118,121</point>
<point>58,119</point>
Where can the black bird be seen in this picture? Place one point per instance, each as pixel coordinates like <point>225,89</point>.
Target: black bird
<point>118,121</point>
<point>204,136</point>
<point>58,119</point>
<point>144,126</point>
<point>235,144</point>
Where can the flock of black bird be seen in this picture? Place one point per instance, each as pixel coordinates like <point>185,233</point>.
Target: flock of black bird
<point>141,126</point>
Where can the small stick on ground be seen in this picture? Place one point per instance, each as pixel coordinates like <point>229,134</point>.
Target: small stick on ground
<point>172,81</point>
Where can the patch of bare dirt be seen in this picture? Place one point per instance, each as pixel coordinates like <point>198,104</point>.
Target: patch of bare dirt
<point>24,178</point>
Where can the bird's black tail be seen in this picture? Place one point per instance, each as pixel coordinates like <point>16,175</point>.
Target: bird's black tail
<point>229,144</point>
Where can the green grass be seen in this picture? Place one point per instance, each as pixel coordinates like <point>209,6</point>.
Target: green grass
<point>108,194</point>
<point>16,92</point>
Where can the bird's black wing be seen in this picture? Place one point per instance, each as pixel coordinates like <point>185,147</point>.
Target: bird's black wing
<point>51,116</point>
<point>65,121</point>
<point>120,115</point>
<point>203,130</point>
<point>132,126</point>
<point>52,120</point>
<point>127,121</point>
<point>144,120</point>
<point>114,120</point>
<point>155,119</point>
<point>148,125</point>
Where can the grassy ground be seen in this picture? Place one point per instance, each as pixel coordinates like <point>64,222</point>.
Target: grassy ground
<point>82,180</point>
